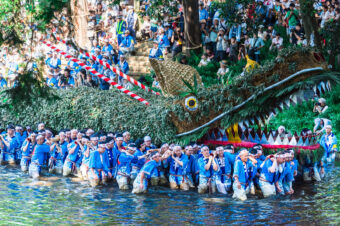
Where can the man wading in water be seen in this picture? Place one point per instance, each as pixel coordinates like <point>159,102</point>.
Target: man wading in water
<point>244,172</point>
<point>207,168</point>
<point>8,146</point>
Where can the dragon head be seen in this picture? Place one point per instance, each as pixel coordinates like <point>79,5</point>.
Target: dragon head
<point>294,76</point>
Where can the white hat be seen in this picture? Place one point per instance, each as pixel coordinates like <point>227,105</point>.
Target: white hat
<point>147,138</point>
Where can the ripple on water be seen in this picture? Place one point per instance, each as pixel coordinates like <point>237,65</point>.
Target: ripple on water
<point>63,200</point>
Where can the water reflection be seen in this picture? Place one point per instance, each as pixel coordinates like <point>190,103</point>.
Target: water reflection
<point>61,200</point>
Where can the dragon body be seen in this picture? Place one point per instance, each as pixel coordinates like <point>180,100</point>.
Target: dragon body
<point>216,114</point>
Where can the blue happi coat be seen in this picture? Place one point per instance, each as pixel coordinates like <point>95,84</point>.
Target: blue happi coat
<point>329,143</point>
<point>99,161</point>
<point>124,163</point>
<point>202,171</point>
<point>175,168</point>
<point>244,173</point>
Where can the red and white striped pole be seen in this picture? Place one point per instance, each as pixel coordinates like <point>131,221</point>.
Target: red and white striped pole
<point>116,70</point>
<point>93,71</point>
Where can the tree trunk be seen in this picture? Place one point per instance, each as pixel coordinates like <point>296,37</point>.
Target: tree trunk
<point>309,22</point>
<point>192,31</point>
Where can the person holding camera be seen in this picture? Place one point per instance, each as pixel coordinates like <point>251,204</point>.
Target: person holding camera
<point>256,43</point>
<point>319,109</point>
<point>292,16</point>
<point>221,45</point>
<point>277,42</point>
<point>297,35</point>
<point>208,166</point>
<point>320,106</point>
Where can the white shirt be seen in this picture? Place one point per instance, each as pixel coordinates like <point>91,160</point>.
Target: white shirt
<point>204,62</point>
<point>222,71</point>
<point>277,41</point>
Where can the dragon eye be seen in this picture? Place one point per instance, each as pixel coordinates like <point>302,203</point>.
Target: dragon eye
<point>191,103</point>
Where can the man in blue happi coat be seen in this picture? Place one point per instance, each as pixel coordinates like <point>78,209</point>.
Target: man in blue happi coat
<point>156,52</point>
<point>8,145</point>
<point>38,156</point>
<point>329,142</point>
<point>26,151</point>
<point>128,43</point>
<point>99,166</point>
<point>3,82</point>
<point>70,165</point>
<point>140,185</point>
<point>126,158</point>
<point>243,174</point>
<point>140,154</point>
<point>208,166</point>
<point>178,163</point>
<point>223,176</point>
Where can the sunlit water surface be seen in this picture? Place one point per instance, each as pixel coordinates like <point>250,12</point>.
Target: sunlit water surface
<point>60,200</point>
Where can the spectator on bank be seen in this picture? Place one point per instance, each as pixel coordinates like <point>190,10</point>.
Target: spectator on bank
<point>204,60</point>
<point>123,66</point>
<point>297,35</point>
<point>277,42</point>
<point>221,45</point>
<point>222,71</point>
<point>127,45</point>
<point>51,81</point>
<point>177,42</point>
<point>156,52</point>
<point>256,43</point>
<point>292,16</point>
<point>121,27</point>
<point>3,82</point>
<point>320,107</point>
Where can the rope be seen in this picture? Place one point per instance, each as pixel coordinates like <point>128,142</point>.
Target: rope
<point>117,71</point>
<point>93,71</point>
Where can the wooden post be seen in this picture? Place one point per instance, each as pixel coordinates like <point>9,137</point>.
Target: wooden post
<point>136,5</point>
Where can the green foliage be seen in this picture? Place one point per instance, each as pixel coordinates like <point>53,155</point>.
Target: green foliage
<point>192,89</point>
<point>304,112</point>
<point>17,16</point>
<point>158,8</point>
<point>29,89</point>
<point>208,73</point>
<point>228,9</point>
<point>235,69</point>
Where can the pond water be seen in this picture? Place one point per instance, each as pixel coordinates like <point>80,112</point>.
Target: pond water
<point>63,201</point>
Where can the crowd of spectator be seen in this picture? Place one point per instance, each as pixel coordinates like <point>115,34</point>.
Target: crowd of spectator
<point>115,29</point>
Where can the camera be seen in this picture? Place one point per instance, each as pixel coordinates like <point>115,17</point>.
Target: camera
<point>317,104</point>
<point>29,139</point>
<point>75,142</point>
